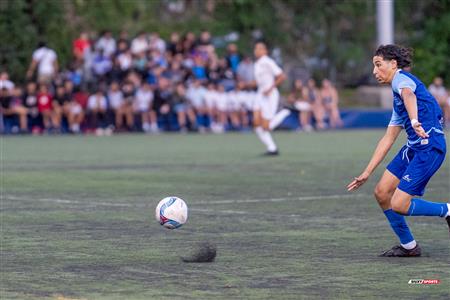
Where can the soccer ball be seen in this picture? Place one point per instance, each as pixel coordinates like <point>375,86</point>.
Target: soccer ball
<point>171,212</point>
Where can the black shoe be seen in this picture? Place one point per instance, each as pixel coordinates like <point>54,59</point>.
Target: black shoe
<point>447,218</point>
<point>399,251</point>
<point>271,153</point>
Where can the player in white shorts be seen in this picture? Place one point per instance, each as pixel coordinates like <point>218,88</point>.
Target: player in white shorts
<point>268,76</point>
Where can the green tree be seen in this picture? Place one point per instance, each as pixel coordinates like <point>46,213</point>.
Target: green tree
<point>329,38</point>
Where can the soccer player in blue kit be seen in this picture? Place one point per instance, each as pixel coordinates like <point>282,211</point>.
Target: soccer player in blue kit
<point>406,176</point>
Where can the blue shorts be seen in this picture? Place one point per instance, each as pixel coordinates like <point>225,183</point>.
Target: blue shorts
<point>415,168</point>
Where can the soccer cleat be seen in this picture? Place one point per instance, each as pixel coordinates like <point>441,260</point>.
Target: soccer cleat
<point>271,153</point>
<point>399,251</point>
<point>447,218</point>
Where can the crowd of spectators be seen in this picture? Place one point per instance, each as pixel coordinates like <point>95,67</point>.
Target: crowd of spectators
<point>123,84</point>
<point>139,84</point>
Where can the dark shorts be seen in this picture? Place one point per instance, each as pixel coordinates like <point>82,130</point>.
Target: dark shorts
<point>415,168</point>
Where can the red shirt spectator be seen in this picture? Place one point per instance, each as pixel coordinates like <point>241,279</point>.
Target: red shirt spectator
<point>81,98</point>
<point>44,99</point>
<point>80,45</point>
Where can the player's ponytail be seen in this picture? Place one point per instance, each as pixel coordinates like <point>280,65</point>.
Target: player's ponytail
<point>402,55</point>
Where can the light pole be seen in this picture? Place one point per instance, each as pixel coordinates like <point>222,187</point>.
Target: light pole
<point>385,22</point>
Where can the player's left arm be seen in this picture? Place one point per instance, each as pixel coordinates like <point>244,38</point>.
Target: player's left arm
<point>410,101</point>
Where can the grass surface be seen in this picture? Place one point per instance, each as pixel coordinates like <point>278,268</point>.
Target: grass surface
<point>77,220</point>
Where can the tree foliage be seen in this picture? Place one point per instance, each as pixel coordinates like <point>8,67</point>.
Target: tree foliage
<point>329,38</point>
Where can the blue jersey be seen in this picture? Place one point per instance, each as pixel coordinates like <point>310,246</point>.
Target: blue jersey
<point>429,113</point>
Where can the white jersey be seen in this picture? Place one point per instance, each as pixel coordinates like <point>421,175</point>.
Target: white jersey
<point>96,102</point>
<point>266,70</point>
<point>115,99</point>
<point>45,57</point>
<point>6,84</point>
<point>233,103</point>
<point>246,99</point>
<point>139,45</point>
<point>125,61</point>
<point>196,96</point>
<point>142,100</point>
<point>211,98</point>
<point>108,45</point>
<point>222,101</point>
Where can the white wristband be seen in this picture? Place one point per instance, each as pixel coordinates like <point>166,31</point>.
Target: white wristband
<point>414,122</point>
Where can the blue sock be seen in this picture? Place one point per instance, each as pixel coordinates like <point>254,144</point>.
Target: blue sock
<point>398,224</point>
<point>419,207</point>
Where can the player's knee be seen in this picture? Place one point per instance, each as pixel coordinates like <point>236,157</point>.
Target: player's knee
<point>381,194</point>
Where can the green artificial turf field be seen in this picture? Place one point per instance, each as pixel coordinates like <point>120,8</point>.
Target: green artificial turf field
<point>77,220</point>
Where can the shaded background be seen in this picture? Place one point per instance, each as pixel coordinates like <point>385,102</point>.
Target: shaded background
<point>332,39</point>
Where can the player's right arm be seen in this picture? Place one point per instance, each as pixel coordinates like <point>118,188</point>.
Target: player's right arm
<point>382,149</point>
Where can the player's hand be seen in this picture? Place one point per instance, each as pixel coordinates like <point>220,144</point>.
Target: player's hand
<point>358,181</point>
<point>419,130</point>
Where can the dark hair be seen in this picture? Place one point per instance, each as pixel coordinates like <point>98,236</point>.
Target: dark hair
<point>263,42</point>
<point>401,54</point>
<point>41,44</point>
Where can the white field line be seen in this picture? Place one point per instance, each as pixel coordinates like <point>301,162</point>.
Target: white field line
<point>220,211</point>
<point>305,198</point>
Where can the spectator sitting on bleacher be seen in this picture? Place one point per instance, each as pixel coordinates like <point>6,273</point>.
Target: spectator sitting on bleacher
<point>60,107</point>
<point>157,43</point>
<point>106,44</point>
<point>115,104</point>
<point>96,112</point>
<point>80,46</point>
<point>142,103</point>
<point>124,60</point>
<point>139,44</point>
<point>299,99</point>
<point>11,106</point>
<point>233,57</point>
<point>101,65</point>
<point>45,106</point>
<point>175,45</point>
<point>189,42</point>
<point>330,101</point>
<point>78,103</point>
<point>182,108</point>
<point>30,102</point>
<point>245,73</point>
<point>314,97</point>
<point>162,103</point>
<point>5,82</point>
<point>196,98</point>
<point>128,90</point>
